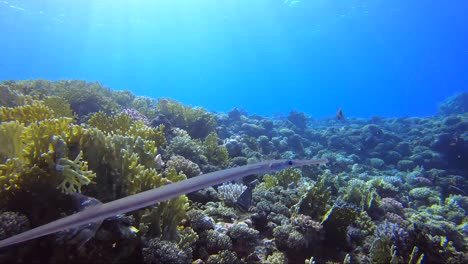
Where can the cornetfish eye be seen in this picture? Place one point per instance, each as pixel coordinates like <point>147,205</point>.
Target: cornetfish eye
<point>289,162</point>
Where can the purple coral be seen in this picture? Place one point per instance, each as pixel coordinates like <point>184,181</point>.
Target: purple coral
<point>135,115</point>
<point>422,181</point>
<point>392,232</point>
<point>394,218</point>
<point>391,205</point>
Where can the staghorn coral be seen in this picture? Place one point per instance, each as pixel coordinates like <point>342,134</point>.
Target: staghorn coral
<point>390,244</point>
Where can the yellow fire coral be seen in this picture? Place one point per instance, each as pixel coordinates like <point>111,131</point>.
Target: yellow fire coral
<point>34,150</point>
<point>26,113</point>
<point>10,173</point>
<point>10,139</point>
<point>75,174</point>
<point>122,124</point>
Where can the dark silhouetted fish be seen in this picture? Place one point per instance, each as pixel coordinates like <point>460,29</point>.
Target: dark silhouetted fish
<point>245,199</point>
<point>339,114</point>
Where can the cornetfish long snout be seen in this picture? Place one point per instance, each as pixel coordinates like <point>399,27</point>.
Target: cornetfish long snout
<point>150,197</point>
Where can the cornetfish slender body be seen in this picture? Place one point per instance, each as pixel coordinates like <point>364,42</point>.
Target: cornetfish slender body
<point>150,197</point>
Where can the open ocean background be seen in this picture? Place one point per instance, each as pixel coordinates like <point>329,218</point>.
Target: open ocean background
<point>371,58</point>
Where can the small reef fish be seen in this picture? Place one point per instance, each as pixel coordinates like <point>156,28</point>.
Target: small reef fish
<point>99,212</point>
<point>245,199</point>
<point>339,114</point>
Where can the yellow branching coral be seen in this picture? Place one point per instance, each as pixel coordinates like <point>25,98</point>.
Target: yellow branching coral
<point>10,139</point>
<point>76,174</point>
<point>122,124</point>
<point>38,137</point>
<point>163,220</point>
<point>215,153</point>
<point>59,105</point>
<point>10,173</point>
<point>38,151</point>
<point>119,124</point>
<point>26,113</point>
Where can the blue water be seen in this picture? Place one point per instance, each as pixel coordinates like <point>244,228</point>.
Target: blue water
<point>371,58</point>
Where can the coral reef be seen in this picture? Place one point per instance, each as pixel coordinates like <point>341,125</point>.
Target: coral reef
<point>394,190</point>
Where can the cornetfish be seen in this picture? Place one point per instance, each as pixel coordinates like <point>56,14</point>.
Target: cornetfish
<point>130,203</point>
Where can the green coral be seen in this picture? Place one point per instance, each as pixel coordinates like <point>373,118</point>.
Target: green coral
<point>86,97</point>
<point>182,144</point>
<point>163,220</point>
<point>382,251</point>
<point>59,106</point>
<point>215,153</point>
<point>425,196</point>
<point>83,97</point>
<point>314,202</point>
<point>144,105</point>
<point>282,178</point>
<point>362,194</point>
<point>122,124</point>
<point>9,97</point>
<point>276,258</point>
<point>337,219</point>
<point>196,121</point>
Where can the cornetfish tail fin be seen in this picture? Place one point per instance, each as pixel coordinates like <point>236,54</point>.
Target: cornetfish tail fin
<point>100,212</point>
